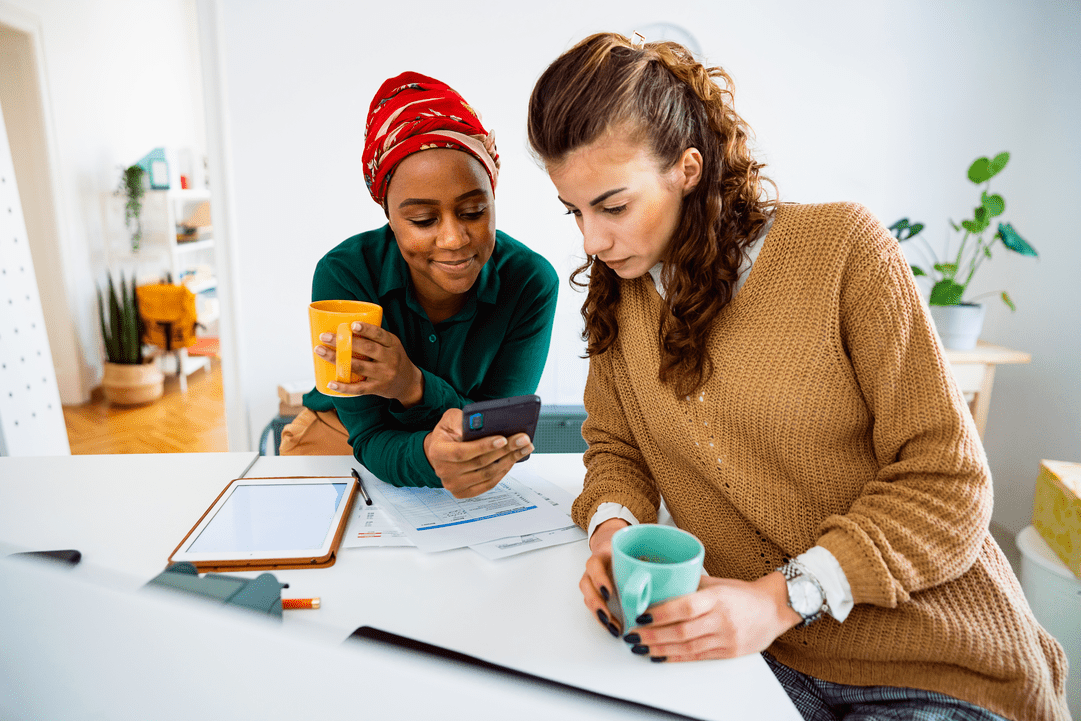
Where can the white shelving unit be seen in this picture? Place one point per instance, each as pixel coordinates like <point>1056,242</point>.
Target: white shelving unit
<point>191,257</point>
<point>190,262</point>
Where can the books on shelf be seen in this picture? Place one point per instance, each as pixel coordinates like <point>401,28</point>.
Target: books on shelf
<point>188,234</point>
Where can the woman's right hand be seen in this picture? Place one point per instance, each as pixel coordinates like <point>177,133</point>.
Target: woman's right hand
<point>469,468</point>
<point>596,584</point>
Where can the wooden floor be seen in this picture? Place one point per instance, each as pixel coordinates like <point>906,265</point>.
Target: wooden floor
<point>191,422</point>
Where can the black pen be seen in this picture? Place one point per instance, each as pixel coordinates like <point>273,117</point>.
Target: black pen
<point>360,485</point>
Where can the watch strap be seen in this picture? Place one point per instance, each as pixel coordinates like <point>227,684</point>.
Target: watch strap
<point>792,570</point>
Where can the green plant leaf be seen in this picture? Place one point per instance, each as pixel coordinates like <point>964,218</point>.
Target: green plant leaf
<point>1015,242</point>
<point>125,322</point>
<point>132,321</point>
<point>903,230</point>
<point>955,226</point>
<point>947,269</point>
<point>987,250</point>
<point>115,349</point>
<point>994,203</point>
<point>998,163</point>
<point>978,225</point>
<point>946,292</point>
<point>138,322</point>
<point>1007,301</point>
<point>917,270</point>
<point>979,172</point>
<point>106,337</point>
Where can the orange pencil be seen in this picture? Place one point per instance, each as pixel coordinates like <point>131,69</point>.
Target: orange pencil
<point>294,603</point>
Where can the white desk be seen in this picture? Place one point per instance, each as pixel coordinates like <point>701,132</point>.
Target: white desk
<point>523,612</point>
<point>77,647</point>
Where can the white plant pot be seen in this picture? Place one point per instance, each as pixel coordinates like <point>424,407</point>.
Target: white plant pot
<point>958,325</point>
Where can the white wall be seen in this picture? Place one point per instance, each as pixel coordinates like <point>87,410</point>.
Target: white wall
<point>122,77</point>
<point>882,103</point>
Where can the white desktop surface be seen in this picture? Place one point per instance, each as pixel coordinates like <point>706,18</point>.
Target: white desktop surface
<point>120,510</point>
<point>74,647</point>
<point>524,612</point>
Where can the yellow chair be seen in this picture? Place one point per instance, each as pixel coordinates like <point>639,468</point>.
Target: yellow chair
<point>169,319</point>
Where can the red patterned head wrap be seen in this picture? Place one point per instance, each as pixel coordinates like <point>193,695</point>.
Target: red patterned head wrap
<point>412,112</point>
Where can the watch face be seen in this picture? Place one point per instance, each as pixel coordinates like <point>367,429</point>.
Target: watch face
<point>804,596</point>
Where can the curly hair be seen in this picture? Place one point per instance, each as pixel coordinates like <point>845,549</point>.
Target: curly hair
<point>664,97</point>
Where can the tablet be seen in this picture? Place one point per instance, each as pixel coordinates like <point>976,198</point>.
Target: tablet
<point>270,523</point>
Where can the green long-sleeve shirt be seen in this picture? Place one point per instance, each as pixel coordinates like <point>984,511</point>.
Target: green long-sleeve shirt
<point>493,348</point>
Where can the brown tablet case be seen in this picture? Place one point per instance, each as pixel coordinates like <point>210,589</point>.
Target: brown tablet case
<point>264,564</point>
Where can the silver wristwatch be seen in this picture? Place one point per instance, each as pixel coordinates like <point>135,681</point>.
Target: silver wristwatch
<point>805,594</point>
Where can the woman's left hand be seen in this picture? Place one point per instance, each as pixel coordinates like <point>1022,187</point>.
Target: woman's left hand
<point>724,618</point>
<point>380,359</point>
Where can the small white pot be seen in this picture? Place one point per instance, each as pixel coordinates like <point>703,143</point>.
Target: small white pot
<point>958,325</point>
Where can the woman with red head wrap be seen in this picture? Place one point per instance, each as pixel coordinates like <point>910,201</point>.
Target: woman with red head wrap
<point>467,310</point>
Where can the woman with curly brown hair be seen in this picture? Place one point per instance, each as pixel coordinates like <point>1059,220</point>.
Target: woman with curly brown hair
<point>769,371</point>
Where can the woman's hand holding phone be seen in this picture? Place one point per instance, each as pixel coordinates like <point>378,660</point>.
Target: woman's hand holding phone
<point>469,468</point>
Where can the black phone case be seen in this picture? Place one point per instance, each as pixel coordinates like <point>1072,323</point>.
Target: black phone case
<point>502,417</point>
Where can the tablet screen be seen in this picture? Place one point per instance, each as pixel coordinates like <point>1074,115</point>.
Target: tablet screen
<point>267,518</point>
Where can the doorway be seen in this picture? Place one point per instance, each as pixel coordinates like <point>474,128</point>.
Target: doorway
<point>65,267</point>
<point>21,102</point>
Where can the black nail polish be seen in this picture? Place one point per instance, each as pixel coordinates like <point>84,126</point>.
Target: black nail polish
<point>604,594</point>
<point>658,659</point>
<point>640,650</point>
<point>613,629</point>
<point>644,619</point>
<point>632,638</point>
<point>602,616</point>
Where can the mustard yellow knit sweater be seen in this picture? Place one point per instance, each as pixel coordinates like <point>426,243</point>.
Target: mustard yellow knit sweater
<point>831,419</point>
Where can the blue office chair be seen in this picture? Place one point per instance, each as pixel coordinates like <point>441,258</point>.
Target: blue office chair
<point>273,428</point>
<point>559,430</point>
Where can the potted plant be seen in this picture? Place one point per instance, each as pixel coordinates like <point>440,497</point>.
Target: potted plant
<point>130,378</point>
<point>959,321</point>
<point>133,188</point>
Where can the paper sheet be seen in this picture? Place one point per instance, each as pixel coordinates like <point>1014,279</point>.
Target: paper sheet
<point>437,521</point>
<point>504,547</point>
<point>370,527</point>
<point>554,496</point>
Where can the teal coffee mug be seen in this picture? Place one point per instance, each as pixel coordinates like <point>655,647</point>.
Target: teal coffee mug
<point>654,563</point>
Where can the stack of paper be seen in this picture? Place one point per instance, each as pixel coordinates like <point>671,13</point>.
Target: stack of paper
<point>523,513</point>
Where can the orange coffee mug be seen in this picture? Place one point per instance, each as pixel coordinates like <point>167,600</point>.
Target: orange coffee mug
<point>337,316</point>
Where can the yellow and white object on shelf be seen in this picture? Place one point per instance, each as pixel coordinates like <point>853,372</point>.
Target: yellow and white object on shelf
<point>1056,510</point>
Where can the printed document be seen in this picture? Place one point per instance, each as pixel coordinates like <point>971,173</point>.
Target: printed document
<point>554,496</point>
<point>370,526</point>
<point>437,521</point>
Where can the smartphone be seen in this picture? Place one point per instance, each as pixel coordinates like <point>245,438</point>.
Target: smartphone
<point>501,417</point>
